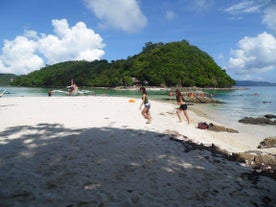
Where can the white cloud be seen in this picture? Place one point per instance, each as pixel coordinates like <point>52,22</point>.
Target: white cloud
<point>18,56</point>
<point>170,15</point>
<point>120,14</point>
<point>31,51</point>
<point>269,17</point>
<point>254,55</point>
<point>202,4</point>
<point>244,7</point>
<point>70,43</point>
<point>198,5</point>
<point>31,34</point>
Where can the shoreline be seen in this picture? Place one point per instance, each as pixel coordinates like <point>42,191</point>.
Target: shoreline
<point>247,138</point>
<point>160,110</point>
<point>99,151</point>
<point>174,88</point>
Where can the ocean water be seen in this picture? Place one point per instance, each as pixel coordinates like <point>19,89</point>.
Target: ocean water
<point>32,92</point>
<point>247,102</point>
<point>237,104</point>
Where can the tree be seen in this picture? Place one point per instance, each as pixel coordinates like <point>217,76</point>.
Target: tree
<point>170,64</point>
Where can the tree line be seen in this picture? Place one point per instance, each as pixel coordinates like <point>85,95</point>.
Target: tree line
<point>158,64</point>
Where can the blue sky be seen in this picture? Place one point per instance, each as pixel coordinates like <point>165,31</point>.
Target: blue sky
<point>240,35</point>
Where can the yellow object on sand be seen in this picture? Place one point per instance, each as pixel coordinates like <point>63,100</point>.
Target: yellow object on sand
<point>131,100</point>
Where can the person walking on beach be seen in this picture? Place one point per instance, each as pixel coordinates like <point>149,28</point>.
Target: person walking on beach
<point>145,112</point>
<point>182,106</point>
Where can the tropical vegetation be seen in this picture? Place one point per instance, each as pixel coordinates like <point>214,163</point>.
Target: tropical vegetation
<point>158,64</point>
<point>6,79</point>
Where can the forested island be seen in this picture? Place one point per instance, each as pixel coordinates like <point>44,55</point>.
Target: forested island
<point>158,64</point>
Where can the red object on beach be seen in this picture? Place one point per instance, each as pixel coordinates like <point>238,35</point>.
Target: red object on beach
<point>202,125</point>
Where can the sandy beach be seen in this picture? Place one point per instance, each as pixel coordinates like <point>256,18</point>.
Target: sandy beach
<point>99,151</point>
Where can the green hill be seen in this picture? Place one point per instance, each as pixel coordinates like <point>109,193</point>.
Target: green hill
<point>159,64</point>
<point>6,79</point>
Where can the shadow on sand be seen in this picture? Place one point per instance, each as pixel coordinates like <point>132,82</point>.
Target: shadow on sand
<point>50,165</point>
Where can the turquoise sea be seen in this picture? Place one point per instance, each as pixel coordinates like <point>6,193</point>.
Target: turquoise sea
<point>245,102</point>
<point>32,92</point>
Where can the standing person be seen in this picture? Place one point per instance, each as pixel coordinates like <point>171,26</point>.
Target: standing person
<point>182,106</point>
<point>145,112</point>
<point>50,93</point>
<point>170,96</point>
<point>72,89</point>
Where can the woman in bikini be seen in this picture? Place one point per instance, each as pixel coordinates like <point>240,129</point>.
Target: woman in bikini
<point>182,106</point>
<point>145,112</point>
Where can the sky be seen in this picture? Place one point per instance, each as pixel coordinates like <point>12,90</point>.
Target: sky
<point>240,35</point>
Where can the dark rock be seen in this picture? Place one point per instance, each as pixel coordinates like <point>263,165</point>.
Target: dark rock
<point>258,121</point>
<point>270,116</point>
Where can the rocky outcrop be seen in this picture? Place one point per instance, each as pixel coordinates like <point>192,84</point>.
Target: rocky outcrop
<point>270,116</point>
<point>263,163</point>
<point>268,142</point>
<point>218,128</point>
<point>200,99</point>
<point>258,121</point>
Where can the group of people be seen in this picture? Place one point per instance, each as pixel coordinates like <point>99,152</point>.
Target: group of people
<point>71,90</point>
<point>179,99</point>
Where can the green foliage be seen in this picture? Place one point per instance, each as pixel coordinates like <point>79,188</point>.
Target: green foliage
<point>6,79</point>
<point>171,64</point>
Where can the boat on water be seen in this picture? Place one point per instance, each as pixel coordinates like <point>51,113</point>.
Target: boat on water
<point>72,90</point>
<point>2,92</point>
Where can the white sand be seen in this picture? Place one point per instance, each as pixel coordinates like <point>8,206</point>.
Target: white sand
<point>98,151</point>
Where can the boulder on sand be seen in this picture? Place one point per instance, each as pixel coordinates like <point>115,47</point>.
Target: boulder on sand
<point>268,142</point>
<point>258,121</point>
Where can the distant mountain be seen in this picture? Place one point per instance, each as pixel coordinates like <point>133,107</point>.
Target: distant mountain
<point>6,79</point>
<point>254,83</point>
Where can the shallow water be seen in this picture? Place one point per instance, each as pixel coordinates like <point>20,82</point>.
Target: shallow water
<point>237,104</point>
<point>40,92</point>
<point>252,102</point>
